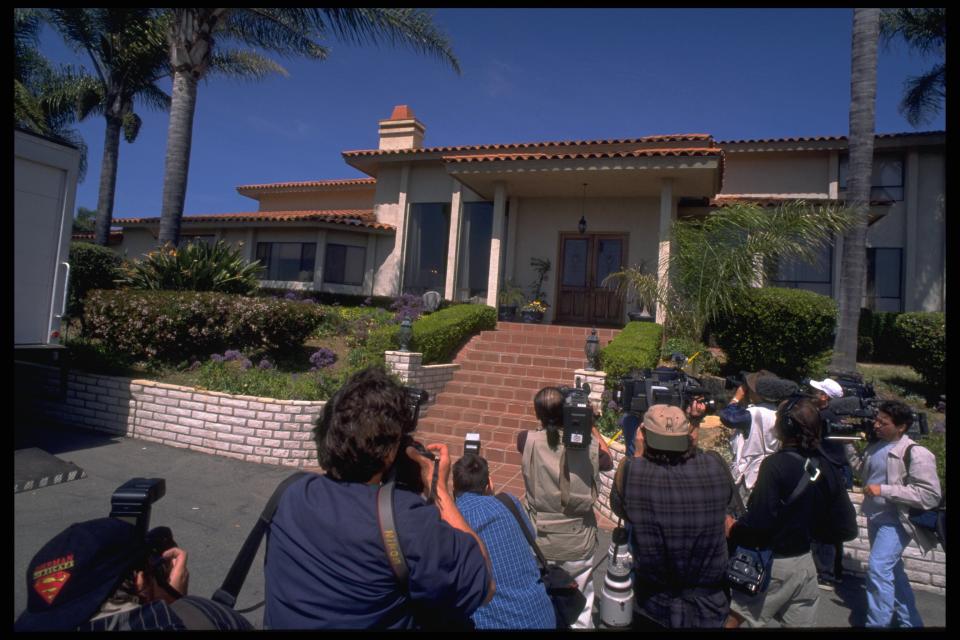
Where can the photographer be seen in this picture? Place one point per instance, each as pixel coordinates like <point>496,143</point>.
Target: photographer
<point>751,414</point>
<point>100,575</point>
<point>897,474</point>
<point>785,513</point>
<point>326,561</point>
<point>561,489</point>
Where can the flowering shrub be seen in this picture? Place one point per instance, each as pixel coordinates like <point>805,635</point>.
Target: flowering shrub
<point>168,325</point>
<point>268,383</point>
<point>265,364</point>
<point>535,305</point>
<point>322,358</point>
<point>407,306</point>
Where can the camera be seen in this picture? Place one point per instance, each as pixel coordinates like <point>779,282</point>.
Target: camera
<point>407,471</point>
<point>132,502</point>
<point>471,443</point>
<point>664,385</point>
<point>747,570</point>
<point>577,416</point>
<point>856,411</point>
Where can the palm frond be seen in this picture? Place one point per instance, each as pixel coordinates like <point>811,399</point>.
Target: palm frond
<point>923,95</point>
<point>245,64</point>
<point>286,31</point>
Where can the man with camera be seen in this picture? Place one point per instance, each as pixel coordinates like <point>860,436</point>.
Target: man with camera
<point>561,481</point>
<point>327,564</point>
<point>521,601</point>
<point>676,501</point>
<point>752,414</point>
<point>897,475</point>
<point>105,575</point>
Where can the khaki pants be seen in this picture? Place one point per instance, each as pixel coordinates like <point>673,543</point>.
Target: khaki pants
<point>791,598</point>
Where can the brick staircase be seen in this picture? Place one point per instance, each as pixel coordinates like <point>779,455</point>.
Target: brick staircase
<point>492,392</point>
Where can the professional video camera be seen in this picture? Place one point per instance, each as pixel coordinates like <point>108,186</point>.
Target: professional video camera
<point>577,416</point>
<point>856,411</point>
<point>408,471</point>
<point>664,385</point>
<point>132,503</point>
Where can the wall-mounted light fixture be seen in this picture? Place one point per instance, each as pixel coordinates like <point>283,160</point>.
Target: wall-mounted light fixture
<point>582,225</point>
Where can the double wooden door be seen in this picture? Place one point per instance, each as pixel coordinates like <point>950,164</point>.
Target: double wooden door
<point>585,260</point>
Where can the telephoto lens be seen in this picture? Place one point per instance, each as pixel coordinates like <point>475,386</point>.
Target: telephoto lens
<point>616,595</point>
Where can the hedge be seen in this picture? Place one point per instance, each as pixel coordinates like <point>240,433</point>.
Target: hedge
<point>173,325</point>
<point>877,338</point>
<point>636,347</point>
<point>923,334</point>
<point>91,267</point>
<point>786,331</point>
<point>439,335</point>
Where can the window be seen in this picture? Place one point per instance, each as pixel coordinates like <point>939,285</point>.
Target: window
<point>343,264</point>
<point>287,261</point>
<point>884,278</point>
<point>476,230</point>
<point>887,182</point>
<point>428,231</point>
<point>798,274</point>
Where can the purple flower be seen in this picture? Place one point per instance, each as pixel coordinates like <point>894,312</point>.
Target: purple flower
<point>322,358</point>
<point>194,366</point>
<point>612,406</point>
<point>367,302</point>
<point>216,357</point>
<point>291,296</point>
<point>266,364</point>
<point>245,363</point>
<point>407,306</point>
<point>309,301</point>
<point>232,354</point>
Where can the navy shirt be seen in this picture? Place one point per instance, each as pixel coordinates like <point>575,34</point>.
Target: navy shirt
<point>326,565</point>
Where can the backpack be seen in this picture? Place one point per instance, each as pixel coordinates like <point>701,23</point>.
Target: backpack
<point>933,520</point>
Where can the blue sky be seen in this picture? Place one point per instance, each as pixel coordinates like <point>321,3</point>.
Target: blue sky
<point>528,75</point>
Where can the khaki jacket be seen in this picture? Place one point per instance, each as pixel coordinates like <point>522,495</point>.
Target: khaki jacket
<point>917,487</point>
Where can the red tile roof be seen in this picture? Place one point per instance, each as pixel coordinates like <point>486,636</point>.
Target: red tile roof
<point>639,153</point>
<point>524,145</point>
<point>833,138</point>
<point>722,200</point>
<point>352,217</point>
<point>115,237</point>
<point>310,184</point>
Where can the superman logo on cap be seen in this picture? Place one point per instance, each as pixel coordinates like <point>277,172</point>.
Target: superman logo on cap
<point>49,578</point>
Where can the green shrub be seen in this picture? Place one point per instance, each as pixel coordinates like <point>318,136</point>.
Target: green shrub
<point>923,334</point>
<point>705,361</point>
<point>95,357</point>
<point>877,340</point>
<point>636,347</point>
<point>937,444</point>
<point>438,336</point>
<point>230,377</point>
<point>353,322</point>
<point>345,300</point>
<point>91,267</point>
<point>196,266</point>
<point>783,330</point>
<point>171,325</point>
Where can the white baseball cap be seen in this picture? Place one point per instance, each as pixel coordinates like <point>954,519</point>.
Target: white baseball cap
<point>829,386</point>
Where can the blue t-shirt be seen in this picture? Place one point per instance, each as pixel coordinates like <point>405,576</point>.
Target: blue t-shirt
<point>326,566</point>
<point>875,472</point>
<point>521,600</point>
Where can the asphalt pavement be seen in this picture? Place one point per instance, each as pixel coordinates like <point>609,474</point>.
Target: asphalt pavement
<point>212,502</point>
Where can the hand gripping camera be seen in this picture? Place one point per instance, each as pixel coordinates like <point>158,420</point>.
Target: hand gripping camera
<point>408,471</point>
<point>577,416</point>
<point>132,502</point>
<point>664,385</point>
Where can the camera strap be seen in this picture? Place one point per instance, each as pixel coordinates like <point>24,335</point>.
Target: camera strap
<point>391,541</point>
<point>509,504</point>
<point>806,477</point>
<point>228,591</point>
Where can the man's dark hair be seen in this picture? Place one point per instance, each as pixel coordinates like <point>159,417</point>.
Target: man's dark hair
<point>660,456</point>
<point>899,412</point>
<point>804,425</point>
<point>548,407</point>
<point>471,474</point>
<point>361,424</point>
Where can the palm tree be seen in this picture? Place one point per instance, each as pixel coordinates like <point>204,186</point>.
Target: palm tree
<point>196,37</point>
<point>38,96</point>
<point>127,49</point>
<point>926,31</point>
<point>713,259</point>
<point>863,101</point>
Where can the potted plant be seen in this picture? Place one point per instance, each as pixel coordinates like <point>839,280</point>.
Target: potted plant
<point>637,286</point>
<point>532,312</point>
<point>509,298</point>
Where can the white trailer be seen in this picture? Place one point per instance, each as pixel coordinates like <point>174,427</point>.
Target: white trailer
<point>45,184</point>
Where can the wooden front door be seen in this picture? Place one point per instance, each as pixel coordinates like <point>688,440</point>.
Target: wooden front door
<point>585,260</point>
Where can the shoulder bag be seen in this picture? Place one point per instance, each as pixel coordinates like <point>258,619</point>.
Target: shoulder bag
<point>933,520</point>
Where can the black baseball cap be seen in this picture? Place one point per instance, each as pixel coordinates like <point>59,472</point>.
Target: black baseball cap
<point>75,572</point>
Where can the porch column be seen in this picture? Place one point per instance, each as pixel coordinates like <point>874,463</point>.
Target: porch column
<point>251,252</point>
<point>400,248</point>
<point>512,238</point>
<point>319,259</point>
<point>369,267</point>
<point>833,191</point>
<point>667,215</point>
<point>496,241</point>
<point>453,244</point>
<point>911,297</point>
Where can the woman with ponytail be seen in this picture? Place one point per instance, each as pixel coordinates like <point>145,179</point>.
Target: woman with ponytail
<point>561,488</point>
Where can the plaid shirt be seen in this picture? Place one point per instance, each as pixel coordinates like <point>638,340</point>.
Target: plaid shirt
<point>676,515</point>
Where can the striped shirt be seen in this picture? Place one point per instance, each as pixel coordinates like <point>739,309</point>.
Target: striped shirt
<point>159,616</point>
<point>520,601</point>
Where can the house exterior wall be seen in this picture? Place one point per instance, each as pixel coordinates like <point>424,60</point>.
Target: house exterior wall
<point>926,291</point>
<point>762,173</point>
<point>136,242</point>
<point>308,200</point>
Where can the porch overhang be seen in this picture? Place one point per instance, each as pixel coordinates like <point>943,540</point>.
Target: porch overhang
<point>695,173</point>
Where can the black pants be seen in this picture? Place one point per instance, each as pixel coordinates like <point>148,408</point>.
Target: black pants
<point>828,559</point>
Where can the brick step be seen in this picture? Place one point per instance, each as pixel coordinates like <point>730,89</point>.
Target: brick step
<point>492,405</point>
<point>467,380</point>
<point>556,330</point>
<point>506,338</point>
<point>481,347</point>
<point>502,393</point>
<point>498,446</point>
<point>479,417</point>
<point>498,357</point>
<point>544,373</point>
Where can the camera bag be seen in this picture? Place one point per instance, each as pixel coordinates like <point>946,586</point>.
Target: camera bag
<point>933,520</point>
<point>568,601</point>
<point>749,569</point>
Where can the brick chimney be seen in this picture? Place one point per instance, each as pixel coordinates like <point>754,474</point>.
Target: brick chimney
<point>402,130</point>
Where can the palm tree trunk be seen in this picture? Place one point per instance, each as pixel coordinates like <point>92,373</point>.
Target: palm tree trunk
<point>177,164</point>
<point>108,181</point>
<point>863,98</point>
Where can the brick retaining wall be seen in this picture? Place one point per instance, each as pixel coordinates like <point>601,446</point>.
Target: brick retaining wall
<point>409,367</point>
<point>926,573</point>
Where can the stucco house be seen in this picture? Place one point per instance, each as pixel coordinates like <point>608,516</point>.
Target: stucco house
<point>462,220</point>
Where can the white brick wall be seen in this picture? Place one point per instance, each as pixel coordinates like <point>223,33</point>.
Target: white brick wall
<point>408,365</point>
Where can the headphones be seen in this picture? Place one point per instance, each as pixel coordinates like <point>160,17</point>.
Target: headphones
<point>788,425</point>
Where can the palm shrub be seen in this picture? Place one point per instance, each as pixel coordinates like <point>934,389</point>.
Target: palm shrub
<point>196,266</point>
<point>786,331</point>
<point>91,267</point>
<point>924,336</point>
